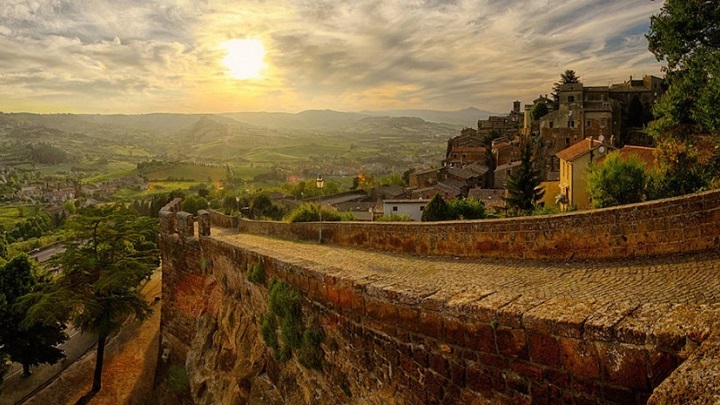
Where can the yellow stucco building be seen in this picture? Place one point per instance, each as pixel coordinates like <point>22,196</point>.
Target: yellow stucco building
<point>574,164</point>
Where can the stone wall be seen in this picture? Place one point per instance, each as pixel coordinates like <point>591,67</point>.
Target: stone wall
<point>386,346</point>
<point>217,218</point>
<point>670,226</point>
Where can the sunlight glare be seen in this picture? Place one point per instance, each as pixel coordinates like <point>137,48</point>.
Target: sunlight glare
<point>245,58</point>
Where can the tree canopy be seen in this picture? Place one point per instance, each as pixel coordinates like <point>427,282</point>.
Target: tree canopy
<point>523,185</point>
<point>686,35</point>
<point>110,250</point>
<point>538,111</point>
<point>28,343</point>
<point>437,210</point>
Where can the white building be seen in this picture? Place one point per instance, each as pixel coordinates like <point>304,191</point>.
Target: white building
<point>412,208</point>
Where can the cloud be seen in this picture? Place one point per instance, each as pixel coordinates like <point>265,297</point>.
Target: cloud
<point>139,55</point>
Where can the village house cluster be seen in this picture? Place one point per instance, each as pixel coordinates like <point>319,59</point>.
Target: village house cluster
<point>580,127</point>
<point>54,193</point>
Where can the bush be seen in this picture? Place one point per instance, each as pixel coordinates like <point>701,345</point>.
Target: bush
<point>680,173</point>
<point>177,379</point>
<point>193,204</point>
<point>394,218</point>
<point>467,208</point>
<point>285,312</point>
<point>263,207</point>
<point>309,212</point>
<point>257,274</point>
<point>617,181</point>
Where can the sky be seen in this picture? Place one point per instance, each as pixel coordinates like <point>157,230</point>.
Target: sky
<point>192,56</point>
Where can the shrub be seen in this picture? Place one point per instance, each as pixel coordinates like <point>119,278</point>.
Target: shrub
<point>177,379</point>
<point>257,274</point>
<point>617,181</point>
<point>309,212</point>
<point>394,218</point>
<point>467,208</point>
<point>285,312</point>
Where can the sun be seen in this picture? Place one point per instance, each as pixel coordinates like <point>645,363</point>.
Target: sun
<point>245,58</point>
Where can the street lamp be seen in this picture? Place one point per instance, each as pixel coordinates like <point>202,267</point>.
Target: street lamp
<point>237,204</point>
<point>319,183</point>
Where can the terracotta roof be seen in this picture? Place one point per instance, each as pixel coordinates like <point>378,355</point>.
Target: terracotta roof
<point>642,153</point>
<point>578,149</point>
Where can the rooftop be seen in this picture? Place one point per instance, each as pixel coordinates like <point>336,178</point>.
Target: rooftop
<point>578,149</point>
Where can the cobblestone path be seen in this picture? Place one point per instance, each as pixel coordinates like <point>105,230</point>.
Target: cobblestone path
<point>689,279</point>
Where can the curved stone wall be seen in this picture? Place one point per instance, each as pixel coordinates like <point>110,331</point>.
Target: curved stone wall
<point>676,225</point>
<point>383,345</point>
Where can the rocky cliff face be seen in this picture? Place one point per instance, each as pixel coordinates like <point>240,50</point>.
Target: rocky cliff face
<point>228,360</point>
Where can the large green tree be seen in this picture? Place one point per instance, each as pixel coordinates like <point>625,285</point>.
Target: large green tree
<point>538,111</point>
<point>110,251</point>
<point>686,35</point>
<point>523,185</point>
<point>28,343</point>
<point>617,181</point>
<point>437,210</point>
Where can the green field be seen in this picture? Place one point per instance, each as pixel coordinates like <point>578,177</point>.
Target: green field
<point>185,172</point>
<point>11,214</point>
<point>154,188</point>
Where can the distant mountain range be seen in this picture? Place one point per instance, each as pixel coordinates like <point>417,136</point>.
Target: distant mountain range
<point>315,119</point>
<point>307,120</point>
<point>465,118</point>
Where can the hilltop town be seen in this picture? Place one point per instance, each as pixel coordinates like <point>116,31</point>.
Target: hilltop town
<point>574,129</point>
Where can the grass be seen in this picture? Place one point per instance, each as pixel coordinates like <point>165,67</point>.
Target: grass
<point>154,188</point>
<point>186,171</point>
<point>10,214</point>
<point>112,170</point>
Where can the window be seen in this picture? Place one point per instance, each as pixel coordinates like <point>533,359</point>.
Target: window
<point>567,141</point>
<point>571,124</point>
<point>551,124</point>
<point>394,208</point>
<point>571,99</point>
<point>587,123</point>
<point>422,208</point>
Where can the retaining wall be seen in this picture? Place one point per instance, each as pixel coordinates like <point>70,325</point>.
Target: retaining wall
<point>676,225</point>
<point>381,345</point>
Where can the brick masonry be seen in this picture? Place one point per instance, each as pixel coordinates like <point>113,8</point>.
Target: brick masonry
<point>384,343</point>
<point>677,225</point>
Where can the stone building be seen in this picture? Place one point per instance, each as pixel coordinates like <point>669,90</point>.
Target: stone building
<point>424,178</point>
<point>464,149</point>
<point>502,125</point>
<point>591,111</point>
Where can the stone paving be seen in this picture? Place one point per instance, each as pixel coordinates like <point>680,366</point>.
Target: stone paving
<point>688,279</point>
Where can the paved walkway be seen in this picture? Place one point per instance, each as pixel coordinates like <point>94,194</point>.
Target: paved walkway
<point>689,279</point>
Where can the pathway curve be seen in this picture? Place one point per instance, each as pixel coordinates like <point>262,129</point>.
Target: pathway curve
<point>681,279</point>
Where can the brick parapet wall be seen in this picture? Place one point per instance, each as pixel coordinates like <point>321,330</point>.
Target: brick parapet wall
<point>676,225</point>
<point>456,349</point>
<point>221,220</point>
